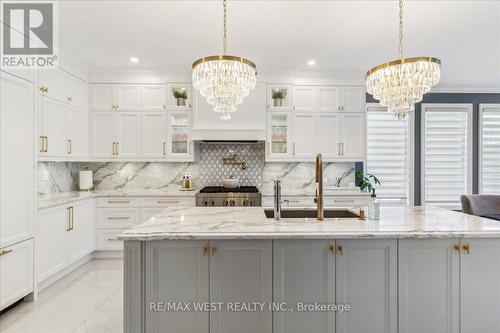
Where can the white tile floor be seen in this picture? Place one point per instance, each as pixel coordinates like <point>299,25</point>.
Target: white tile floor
<point>89,299</point>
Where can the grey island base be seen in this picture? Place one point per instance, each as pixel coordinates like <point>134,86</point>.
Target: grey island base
<point>218,270</point>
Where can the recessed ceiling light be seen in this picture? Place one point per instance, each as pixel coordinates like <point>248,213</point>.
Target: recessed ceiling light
<point>134,60</point>
<point>311,62</point>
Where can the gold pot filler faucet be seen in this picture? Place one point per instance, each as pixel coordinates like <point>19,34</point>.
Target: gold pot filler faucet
<point>319,187</point>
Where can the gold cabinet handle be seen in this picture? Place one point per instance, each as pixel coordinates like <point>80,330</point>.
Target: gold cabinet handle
<point>117,149</point>
<point>114,148</point>
<point>332,249</point>
<point>4,252</point>
<point>466,248</point>
<point>44,89</point>
<point>168,201</point>
<point>213,251</point>
<point>46,150</point>
<point>456,247</point>
<point>70,99</point>
<point>72,218</point>
<point>164,148</point>
<point>70,143</point>
<point>113,239</point>
<point>189,147</point>
<point>42,144</point>
<point>293,148</point>
<point>119,218</point>
<point>119,201</point>
<point>341,249</point>
<point>205,251</point>
<point>69,219</point>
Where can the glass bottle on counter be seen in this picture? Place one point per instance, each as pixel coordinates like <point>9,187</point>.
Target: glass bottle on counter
<point>373,207</point>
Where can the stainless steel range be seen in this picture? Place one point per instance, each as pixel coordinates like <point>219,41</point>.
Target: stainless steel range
<point>218,196</point>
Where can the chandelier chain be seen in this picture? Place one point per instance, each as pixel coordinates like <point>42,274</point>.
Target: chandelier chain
<point>400,28</point>
<point>224,46</point>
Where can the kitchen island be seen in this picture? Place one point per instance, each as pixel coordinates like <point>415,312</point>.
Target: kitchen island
<point>234,270</point>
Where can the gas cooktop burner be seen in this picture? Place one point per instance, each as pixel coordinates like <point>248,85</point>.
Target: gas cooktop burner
<point>220,189</point>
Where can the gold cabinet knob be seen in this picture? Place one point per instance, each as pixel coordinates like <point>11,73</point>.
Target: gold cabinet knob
<point>332,249</point>
<point>341,249</point>
<point>466,248</point>
<point>456,247</point>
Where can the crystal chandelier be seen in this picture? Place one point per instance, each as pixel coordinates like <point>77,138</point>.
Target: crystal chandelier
<point>224,80</point>
<point>401,83</point>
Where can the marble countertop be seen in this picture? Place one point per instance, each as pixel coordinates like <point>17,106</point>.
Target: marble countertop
<point>56,199</point>
<point>251,223</point>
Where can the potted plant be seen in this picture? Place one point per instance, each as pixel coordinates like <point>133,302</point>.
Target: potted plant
<point>278,97</point>
<point>180,96</point>
<point>368,182</point>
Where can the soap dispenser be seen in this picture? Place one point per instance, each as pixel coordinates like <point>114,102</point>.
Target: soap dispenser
<point>373,207</point>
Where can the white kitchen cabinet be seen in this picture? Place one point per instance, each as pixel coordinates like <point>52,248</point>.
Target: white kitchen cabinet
<point>429,285</point>
<point>77,131</point>
<point>278,135</point>
<point>16,272</point>
<point>480,286</point>
<point>102,97</point>
<point>81,236</point>
<point>304,98</point>
<point>304,271</point>
<point>179,144</point>
<point>303,138</point>
<point>128,134</point>
<point>16,160</point>
<point>102,137</point>
<point>154,98</point>
<point>52,83</point>
<point>128,97</point>
<point>51,252</point>
<point>115,218</point>
<point>329,99</point>
<point>352,138</point>
<point>279,97</point>
<point>353,99</point>
<point>241,271</point>
<point>179,96</point>
<point>107,240</point>
<point>328,131</point>
<point>188,282</point>
<point>77,91</point>
<point>53,127</point>
<point>366,279</point>
<point>154,134</point>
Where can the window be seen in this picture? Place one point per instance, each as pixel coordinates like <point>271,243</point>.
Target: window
<point>389,154</point>
<point>446,153</point>
<point>489,147</point>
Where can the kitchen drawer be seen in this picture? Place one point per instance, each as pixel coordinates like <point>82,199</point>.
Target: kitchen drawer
<point>292,202</point>
<point>107,240</point>
<point>118,202</point>
<point>16,272</point>
<point>118,217</point>
<point>345,201</point>
<point>168,201</point>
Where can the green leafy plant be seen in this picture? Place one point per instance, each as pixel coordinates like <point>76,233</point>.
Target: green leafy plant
<point>180,93</point>
<point>367,182</point>
<point>279,93</point>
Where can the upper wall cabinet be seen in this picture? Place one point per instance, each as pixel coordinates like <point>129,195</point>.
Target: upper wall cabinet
<point>153,98</point>
<point>304,98</point>
<point>353,99</point>
<point>279,97</point>
<point>179,96</point>
<point>329,99</point>
<point>101,97</point>
<point>115,97</point>
<point>77,91</point>
<point>52,83</point>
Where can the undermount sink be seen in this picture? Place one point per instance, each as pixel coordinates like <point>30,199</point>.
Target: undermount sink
<point>311,213</point>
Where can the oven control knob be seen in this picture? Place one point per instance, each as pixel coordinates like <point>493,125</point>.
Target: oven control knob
<point>232,203</point>
<point>205,203</point>
<point>213,203</point>
<point>251,203</point>
<point>226,203</point>
<point>245,202</point>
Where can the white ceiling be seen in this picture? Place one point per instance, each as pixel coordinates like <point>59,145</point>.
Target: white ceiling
<point>344,37</point>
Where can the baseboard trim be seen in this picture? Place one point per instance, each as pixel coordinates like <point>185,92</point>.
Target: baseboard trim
<point>108,254</point>
<point>59,275</point>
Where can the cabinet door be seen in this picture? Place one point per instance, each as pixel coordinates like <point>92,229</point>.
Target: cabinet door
<point>353,99</point>
<point>428,286</point>
<point>188,282</point>
<point>241,271</point>
<point>303,138</point>
<point>53,119</point>
<point>51,236</point>
<point>179,96</point>
<point>304,98</point>
<point>153,98</point>
<point>279,97</point>
<point>101,97</point>
<point>480,286</point>
<point>52,83</point>
<point>16,272</point>
<point>154,134</point>
<point>179,134</point>
<point>304,271</point>
<point>128,134</point>
<point>128,97</point>
<point>16,160</point>
<point>353,136</point>
<point>278,135</point>
<point>366,278</point>
<point>78,131</point>
<point>101,134</point>
<point>81,236</point>
<point>328,134</point>
<point>78,94</point>
<point>328,99</point>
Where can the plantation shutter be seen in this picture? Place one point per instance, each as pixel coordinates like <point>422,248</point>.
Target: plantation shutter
<point>446,153</point>
<point>389,154</point>
<point>490,149</point>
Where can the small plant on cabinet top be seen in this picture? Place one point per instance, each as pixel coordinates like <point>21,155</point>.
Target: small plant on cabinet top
<point>180,93</point>
<point>368,182</point>
<point>279,93</point>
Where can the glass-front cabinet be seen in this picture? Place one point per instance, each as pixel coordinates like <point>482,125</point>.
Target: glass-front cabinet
<point>179,142</point>
<point>179,96</point>
<point>278,135</point>
<point>279,97</point>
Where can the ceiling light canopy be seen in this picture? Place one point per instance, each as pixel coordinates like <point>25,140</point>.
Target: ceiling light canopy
<point>311,62</point>
<point>401,83</point>
<point>224,80</point>
<point>134,60</point>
